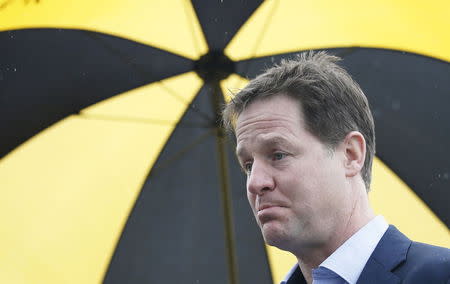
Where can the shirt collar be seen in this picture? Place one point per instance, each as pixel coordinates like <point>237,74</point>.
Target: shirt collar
<point>290,274</point>
<point>349,259</point>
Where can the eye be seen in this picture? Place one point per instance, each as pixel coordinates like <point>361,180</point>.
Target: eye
<point>278,156</point>
<point>247,167</point>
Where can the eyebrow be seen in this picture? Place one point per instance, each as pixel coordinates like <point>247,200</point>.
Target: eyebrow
<point>277,140</point>
<point>240,152</point>
<point>271,141</point>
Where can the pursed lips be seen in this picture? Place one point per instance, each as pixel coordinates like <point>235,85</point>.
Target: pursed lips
<point>268,211</point>
<point>266,206</point>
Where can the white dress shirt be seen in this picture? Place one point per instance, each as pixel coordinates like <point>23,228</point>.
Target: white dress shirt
<point>346,263</point>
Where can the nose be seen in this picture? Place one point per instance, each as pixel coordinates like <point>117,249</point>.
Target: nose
<point>260,179</point>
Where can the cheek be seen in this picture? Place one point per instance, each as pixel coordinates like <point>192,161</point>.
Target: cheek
<point>306,183</point>
<point>327,185</point>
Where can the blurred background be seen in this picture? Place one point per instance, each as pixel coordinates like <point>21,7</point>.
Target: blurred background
<point>114,167</point>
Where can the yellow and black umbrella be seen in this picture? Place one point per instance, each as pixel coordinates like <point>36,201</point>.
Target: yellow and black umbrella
<point>114,166</point>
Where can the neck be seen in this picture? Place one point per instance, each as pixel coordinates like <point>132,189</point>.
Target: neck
<point>358,217</point>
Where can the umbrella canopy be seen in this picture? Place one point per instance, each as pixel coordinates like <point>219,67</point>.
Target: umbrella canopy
<point>115,167</point>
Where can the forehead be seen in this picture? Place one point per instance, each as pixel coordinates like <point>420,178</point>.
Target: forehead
<point>269,112</point>
<point>270,119</point>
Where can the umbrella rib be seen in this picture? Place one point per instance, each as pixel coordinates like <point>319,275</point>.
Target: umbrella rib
<point>259,39</point>
<point>263,30</point>
<point>143,74</point>
<point>141,120</point>
<point>176,156</point>
<point>174,94</point>
<point>225,190</point>
<point>246,63</point>
<point>119,54</point>
<point>191,26</point>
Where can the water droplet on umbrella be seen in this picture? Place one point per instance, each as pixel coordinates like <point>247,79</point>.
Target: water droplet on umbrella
<point>395,105</point>
<point>435,115</point>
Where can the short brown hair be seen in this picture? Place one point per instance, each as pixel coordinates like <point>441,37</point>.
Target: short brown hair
<point>332,102</point>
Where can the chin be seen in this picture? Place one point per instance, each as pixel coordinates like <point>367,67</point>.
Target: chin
<point>279,242</point>
<point>289,240</point>
<point>275,235</point>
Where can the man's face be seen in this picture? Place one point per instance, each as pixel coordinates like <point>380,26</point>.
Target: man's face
<point>295,184</point>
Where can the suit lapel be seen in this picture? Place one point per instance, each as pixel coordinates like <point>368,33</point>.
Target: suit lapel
<point>390,252</point>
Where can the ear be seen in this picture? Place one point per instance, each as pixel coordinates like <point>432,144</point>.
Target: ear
<point>354,146</point>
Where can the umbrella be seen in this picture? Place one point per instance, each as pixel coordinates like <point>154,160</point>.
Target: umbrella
<point>115,167</point>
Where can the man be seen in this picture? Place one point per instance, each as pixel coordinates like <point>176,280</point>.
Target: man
<point>305,138</point>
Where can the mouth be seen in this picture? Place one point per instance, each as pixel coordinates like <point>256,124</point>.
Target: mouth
<point>267,206</point>
<point>269,212</point>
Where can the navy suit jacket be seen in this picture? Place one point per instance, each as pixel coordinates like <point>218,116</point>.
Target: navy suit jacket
<point>397,259</point>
